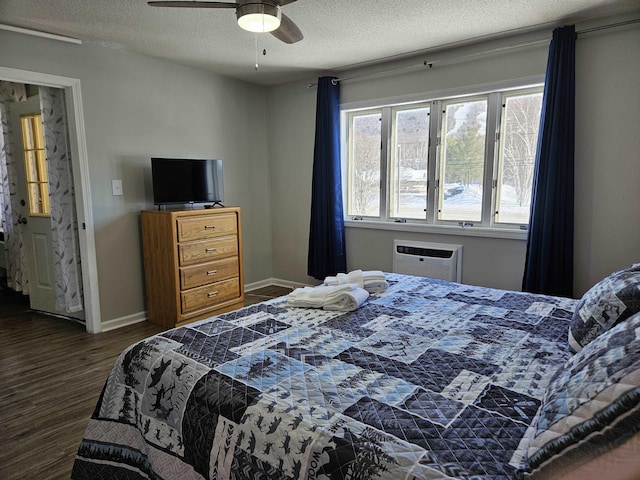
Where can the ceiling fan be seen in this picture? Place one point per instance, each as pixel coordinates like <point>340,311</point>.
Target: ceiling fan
<point>253,15</point>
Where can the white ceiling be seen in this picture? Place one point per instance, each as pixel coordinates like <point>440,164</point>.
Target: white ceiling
<point>338,33</point>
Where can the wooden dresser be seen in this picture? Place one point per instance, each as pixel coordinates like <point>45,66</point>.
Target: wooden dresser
<point>192,263</point>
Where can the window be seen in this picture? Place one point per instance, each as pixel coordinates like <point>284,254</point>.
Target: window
<point>461,166</point>
<point>520,123</point>
<point>409,161</point>
<point>365,133</point>
<point>35,165</point>
<point>464,160</point>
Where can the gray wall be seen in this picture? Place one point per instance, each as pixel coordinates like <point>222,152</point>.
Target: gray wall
<point>136,107</point>
<point>486,261</point>
<point>607,227</point>
<point>607,198</point>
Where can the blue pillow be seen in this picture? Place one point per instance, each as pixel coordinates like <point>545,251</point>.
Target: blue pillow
<point>591,407</point>
<point>606,304</point>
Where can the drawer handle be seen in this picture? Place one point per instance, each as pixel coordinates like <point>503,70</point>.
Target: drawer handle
<point>212,294</point>
<point>209,227</point>
<point>209,250</point>
<point>212,272</point>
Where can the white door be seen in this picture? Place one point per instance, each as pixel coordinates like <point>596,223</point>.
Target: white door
<point>35,224</point>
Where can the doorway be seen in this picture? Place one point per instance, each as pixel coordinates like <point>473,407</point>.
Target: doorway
<point>78,150</point>
<point>34,217</point>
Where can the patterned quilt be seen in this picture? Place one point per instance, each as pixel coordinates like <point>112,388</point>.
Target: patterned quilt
<point>427,380</point>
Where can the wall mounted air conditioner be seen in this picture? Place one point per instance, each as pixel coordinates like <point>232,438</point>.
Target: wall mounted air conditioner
<point>434,260</point>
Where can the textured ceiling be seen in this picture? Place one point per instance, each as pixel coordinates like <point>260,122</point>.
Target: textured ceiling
<point>338,33</point>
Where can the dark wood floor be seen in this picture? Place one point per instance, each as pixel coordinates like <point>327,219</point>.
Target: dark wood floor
<point>51,374</point>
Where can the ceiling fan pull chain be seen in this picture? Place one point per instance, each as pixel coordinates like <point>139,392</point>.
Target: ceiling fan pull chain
<point>255,38</point>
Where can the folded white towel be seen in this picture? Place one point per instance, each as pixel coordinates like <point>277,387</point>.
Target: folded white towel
<point>345,297</point>
<point>314,297</point>
<point>373,281</point>
<point>347,301</point>
<point>373,275</point>
<point>376,287</point>
<point>354,276</point>
<point>304,297</point>
<point>330,281</point>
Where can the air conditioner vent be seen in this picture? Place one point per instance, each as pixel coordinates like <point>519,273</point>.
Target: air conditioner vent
<point>434,260</point>
<point>424,252</point>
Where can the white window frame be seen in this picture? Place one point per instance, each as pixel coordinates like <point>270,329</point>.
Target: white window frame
<point>487,226</point>
<point>390,116</point>
<point>499,162</point>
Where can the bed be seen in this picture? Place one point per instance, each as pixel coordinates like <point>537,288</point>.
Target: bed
<point>426,380</point>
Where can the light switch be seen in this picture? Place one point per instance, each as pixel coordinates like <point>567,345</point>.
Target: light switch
<point>116,187</point>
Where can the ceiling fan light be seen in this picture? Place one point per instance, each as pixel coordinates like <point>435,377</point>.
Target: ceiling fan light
<point>258,17</point>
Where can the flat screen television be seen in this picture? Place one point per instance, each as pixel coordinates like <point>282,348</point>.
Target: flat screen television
<point>182,181</point>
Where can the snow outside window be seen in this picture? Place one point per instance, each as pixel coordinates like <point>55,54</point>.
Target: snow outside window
<point>464,160</point>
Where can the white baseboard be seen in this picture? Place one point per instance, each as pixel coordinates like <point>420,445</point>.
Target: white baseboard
<point>124,321</point>
<point>271,282</point>
<point>142,316</point>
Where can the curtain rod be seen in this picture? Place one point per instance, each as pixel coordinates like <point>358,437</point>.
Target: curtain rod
<point>610,25</point>
<point>430,63</point>
<point>38,33</point>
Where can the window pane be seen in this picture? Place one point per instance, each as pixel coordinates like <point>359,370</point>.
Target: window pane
<point>35,165</point>
<point>41,165</point>
<point>31,165</point>
<point>517,156</point>
<point>27,133</point>
<point>44,198</point>
<point>38,137</point>
<point>35,200</point>
<point>462,161</point>
<point>364,165</point>
<point>409,163</point>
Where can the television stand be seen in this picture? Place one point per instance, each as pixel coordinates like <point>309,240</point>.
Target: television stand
<point>214,205</point>
<point>192,264</point>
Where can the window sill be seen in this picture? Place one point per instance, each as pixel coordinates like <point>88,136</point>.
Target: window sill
<point>506,233</point>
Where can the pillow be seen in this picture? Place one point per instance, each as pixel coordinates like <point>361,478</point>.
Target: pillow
<point>607,303</point>
<point>591,408</point>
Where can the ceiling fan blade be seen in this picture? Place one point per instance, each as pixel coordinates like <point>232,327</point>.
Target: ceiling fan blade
<point>288,32</point>
<point>282,3</point>
<point>192,4</point>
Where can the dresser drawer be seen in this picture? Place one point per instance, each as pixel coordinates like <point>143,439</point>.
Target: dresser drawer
<point>207,250</point>
<point>210,272</point>
<point>210,295</point>
<point>206,226</point>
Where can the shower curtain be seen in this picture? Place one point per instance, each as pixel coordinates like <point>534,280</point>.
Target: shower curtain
<point>14,253</point>
<point>64,225</point>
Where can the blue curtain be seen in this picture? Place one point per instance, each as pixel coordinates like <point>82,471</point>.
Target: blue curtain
<point>549,261</point>
<point>327,255</point>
